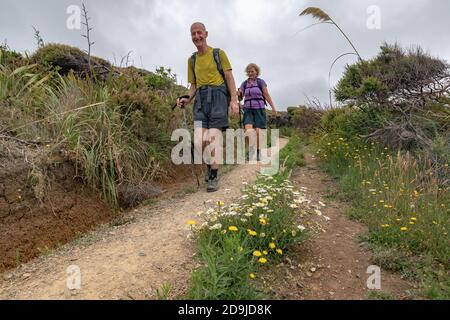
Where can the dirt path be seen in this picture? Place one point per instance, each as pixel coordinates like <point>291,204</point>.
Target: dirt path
<point>129,261</point>
<point>333,263</point>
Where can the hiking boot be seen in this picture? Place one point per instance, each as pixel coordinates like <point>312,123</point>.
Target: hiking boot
<point>213,185</point>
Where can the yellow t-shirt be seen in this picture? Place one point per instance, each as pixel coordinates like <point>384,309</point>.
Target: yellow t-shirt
<point>206,72</point>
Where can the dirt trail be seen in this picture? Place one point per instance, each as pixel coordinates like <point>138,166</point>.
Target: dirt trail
<point>333,264</point>
<point>129,261</point>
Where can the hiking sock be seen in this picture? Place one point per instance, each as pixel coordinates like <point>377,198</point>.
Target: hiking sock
<point>213,173</point>
<point>208,172</point>
<point>251,153</point>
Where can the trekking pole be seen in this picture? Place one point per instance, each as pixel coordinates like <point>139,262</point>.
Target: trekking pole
<point>240,115</point>
<point>194,173</point>
<point>241,125</point>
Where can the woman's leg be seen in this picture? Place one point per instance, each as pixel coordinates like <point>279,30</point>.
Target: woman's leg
<point>258,130</point>
<point>249,131</point>
<point>261,125</point>
<point>251,136</point>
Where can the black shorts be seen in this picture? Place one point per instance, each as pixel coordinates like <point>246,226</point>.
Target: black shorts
<point>255,117</point>
<point>211,107</point>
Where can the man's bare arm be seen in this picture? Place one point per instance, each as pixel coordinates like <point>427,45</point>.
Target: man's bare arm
<point>231,84</point>
<point>232,89</point>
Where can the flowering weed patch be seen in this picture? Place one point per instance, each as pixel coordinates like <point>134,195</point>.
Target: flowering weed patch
<point>403,204</point>
<point>235,241</point>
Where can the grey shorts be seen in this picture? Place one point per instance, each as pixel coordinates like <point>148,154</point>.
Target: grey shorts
<point>211,107</point>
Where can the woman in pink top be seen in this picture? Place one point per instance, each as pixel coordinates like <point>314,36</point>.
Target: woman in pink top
<point>255,92</point>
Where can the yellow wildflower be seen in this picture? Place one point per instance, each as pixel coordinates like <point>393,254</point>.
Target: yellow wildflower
<point>262,260</point>
<point>233,228</point>
<point>263,221</point>
<point>251,232</point>
<point>272,245</point>
<point>191,222</point>
<point>257,253</point>
<point>252,276</point>
<point>279,251</point>
<point>403,229</point>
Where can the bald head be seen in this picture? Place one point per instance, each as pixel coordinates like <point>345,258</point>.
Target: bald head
<point>197,25</point>
<point>199,35</point>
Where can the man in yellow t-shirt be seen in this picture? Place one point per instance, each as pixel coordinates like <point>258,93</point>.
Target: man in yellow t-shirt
<point>206,73</point>
<point>214,94</point>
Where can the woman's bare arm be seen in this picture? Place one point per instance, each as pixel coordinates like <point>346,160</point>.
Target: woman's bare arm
<point>268,98</point>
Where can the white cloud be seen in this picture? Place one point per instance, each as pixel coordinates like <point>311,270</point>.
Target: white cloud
<point>260,31</point>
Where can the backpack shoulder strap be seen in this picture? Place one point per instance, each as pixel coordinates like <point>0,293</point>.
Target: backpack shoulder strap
<point>216,55</point>
<point>260,86</point>
<point>259,83</point>
<point>193,59</point>
<point>245,85</point>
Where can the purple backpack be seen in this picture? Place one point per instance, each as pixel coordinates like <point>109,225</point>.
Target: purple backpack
<point>260,86</point>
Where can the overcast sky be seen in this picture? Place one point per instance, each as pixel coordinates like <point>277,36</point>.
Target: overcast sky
<point>294,64</point>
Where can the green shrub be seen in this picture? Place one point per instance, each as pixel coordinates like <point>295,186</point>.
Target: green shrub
<point>352,122</point>
<point>162,79</point>
<point>99,142</point>
<point>303,119</point>
<point>8,56</point>
<point>23,88</point>
<point>389,75</point>
<point>50,53</point>
<point>393,92</point>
